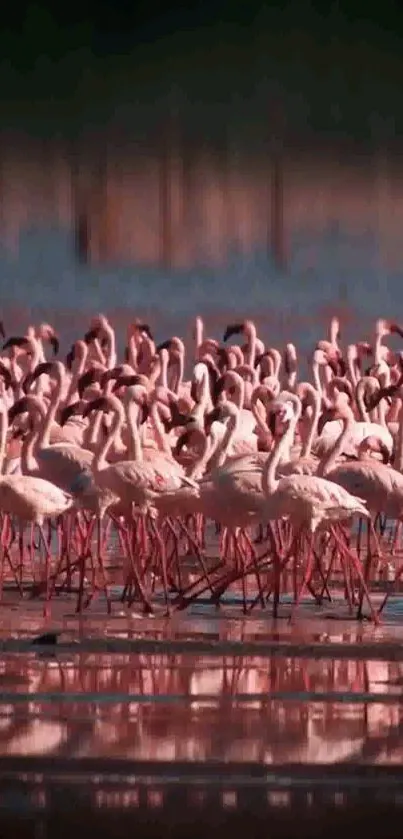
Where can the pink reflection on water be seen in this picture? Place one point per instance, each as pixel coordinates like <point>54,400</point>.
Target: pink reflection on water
<point>189,708</point>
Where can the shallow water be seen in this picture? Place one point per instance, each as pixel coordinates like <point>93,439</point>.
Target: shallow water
<point>187,707</point>
<point>202,686</point>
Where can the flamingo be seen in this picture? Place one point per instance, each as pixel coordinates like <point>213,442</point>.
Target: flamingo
<point>134,481</point>
<point>202,448</point>
<point>309,501</point>
<point>30,499</point>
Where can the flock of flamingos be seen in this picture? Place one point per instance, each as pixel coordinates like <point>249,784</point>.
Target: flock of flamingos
<point>298,479</point>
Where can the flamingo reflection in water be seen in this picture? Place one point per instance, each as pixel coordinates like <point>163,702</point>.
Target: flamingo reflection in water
<point>164,710</point>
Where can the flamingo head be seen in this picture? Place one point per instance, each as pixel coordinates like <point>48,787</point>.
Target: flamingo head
<point>115,373</point>
<point>165,345</point>
<point>165,415</point>
<point>136,393</point>
<point>326,416</point>
<point>90,377</point>
<point>233,329</point>
<point>70,357</point>
<point>290,359</point>
<point>218,389</point>
<point>101,403</point>
<point>178,418</point>
<point>198,376</point>
<point>334,329</point>
<point>73,410</point>
<point>197,379</point>
<point>140,329</point>
<point>223,359</point>
<point>20,341</point>
<point>339,384</point>
<point>45,367</point>
<point>372,443</point>
<point>388,327</point>
<point>99,321</point>
<point>144,329</point>
<point>221,413</point>
<point>339,409</point>
<point>126,380</point>
<point>22,406</point>
<point>94,333</point>
<point>280,414</point>
<point>47,333</point>
<point>363,348</point>
<point>190,437</point>
<point>77,350</point>
<point>216,415</point>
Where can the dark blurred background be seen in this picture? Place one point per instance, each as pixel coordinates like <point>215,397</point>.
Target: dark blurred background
<point>169,158</point>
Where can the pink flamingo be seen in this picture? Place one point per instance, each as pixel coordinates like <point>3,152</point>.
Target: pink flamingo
<point>29,499</point>
<point>309,501</point>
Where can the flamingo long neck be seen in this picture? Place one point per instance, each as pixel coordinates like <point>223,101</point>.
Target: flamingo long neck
<point>260,394</point>
<point>238,383</point>
<point>199,334</point>
<point>38,356</point>
<point>180,369</point>
<point>393,413</point>
<point>382,413</point>
<point>330,459</point>
<point>235,357</point>
<point>111,357</point>
<point>94,432</point>
<point>94,429</point>
<point>359,398</point>
<point>146,351</point>
<point>204,402</point>
<point>29,463</point>
<point>313,429</point>
<point>164,356</point>
<point>291,353</point>
<point>17,374</point>
<point>44,436</point>
<point>100,458</point>
<point>316,376</point>
<point>210,443</point>
<point>260,420</point>
<point>275,356</point>
<point>222,449</point>
<point>251,345</point>
<point>378,348</point>
<point>334,329</point>
<point>161,437</point>
<point>132,417</point>
<point>297,406</point>
<point>37,344</point>
<point>352,366</point>
<point>41,351</point>
<point>72,393</point>
<point>132,347</point>
<point>269,481</point>
<point>95,352</point>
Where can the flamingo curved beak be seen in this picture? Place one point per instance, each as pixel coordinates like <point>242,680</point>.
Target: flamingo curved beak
<point>233,329</point>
